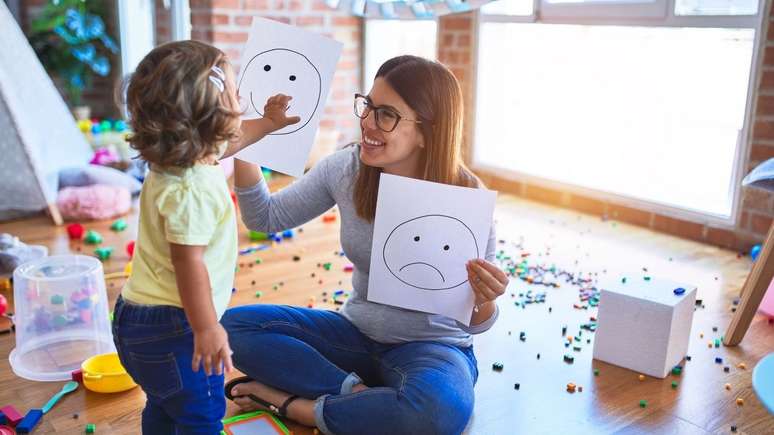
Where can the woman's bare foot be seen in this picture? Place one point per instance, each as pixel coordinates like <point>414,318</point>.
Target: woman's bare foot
<point>269,394</point>
<point>358,388</point>
<point>301,410</point>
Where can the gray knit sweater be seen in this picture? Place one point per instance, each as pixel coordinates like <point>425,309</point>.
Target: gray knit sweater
<point>330,183</point>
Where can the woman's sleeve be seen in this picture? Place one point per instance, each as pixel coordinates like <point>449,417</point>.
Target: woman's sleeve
<point>296,204</point>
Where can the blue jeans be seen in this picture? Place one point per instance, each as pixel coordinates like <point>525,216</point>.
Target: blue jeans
<point>416,387</point>
<point>155,345</point>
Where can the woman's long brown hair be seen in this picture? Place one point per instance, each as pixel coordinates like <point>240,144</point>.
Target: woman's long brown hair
<point>432,91</point>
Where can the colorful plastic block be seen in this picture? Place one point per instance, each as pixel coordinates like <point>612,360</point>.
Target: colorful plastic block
<point>118,225</point>
<point>75,231</point>
<point>91,428</point>
<point>11,414</point>
<point>93,238</point>
<point>257,236</point>
<point>104,252</point>
<point>29,421</point>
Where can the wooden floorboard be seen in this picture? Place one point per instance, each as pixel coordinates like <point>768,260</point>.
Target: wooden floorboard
<point>609,402</point>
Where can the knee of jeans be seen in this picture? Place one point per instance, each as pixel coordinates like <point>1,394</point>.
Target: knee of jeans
<point>231,319</point>
<point>441,415</point>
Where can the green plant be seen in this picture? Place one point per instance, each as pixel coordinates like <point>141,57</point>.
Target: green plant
<point>71,41</point>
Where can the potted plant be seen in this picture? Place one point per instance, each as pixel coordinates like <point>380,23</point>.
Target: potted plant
<point>72,43</point>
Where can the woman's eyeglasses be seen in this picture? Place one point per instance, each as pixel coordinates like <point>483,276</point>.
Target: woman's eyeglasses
<point>386,119</point>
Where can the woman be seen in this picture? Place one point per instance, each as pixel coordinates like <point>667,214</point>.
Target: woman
<point>373,368</point>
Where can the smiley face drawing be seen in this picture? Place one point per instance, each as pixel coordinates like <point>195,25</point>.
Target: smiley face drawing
<point>429,252</point>
<point>281,71</point>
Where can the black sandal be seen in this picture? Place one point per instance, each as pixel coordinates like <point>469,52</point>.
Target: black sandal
<point>281,411</point>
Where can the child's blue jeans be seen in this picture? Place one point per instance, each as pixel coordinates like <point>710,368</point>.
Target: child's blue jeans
<point>416,388</point>
<point>155,345</point>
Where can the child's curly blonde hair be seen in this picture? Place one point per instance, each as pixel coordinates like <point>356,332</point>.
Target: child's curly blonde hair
<point>177,114</point>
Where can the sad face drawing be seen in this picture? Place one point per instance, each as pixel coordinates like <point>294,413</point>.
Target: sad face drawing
<point>429,252</point>
<point>281,71</point>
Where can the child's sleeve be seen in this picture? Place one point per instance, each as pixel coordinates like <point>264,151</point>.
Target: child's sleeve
<point>190,214</point>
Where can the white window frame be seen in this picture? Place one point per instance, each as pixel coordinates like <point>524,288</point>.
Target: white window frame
<point>605,16</point>
<point>366,82</point>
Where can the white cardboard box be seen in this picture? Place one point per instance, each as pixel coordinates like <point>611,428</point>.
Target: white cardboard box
<point>643,325</point>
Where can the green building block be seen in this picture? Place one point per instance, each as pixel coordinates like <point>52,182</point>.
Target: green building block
<point>104,252</point>
<point>91,428</point>
<point>57,299</point>
<point>118,225</point>
<point>93,238</point>
<point>257,235</point>
<point>643,403</point>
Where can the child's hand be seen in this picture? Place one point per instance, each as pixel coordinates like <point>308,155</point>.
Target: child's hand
<point>275,111</point>
<point>211,349</point>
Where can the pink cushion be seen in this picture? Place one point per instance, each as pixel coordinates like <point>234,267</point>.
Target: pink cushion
<point>93,202</point>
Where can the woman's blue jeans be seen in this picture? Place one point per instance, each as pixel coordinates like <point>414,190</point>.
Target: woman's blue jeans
<point>415,388</point>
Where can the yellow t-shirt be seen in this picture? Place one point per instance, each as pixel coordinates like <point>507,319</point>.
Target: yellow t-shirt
<point>185,206</point>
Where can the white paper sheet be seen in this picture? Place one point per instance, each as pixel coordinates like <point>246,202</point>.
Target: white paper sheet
<point>424,233</point>
<point>279,58</point>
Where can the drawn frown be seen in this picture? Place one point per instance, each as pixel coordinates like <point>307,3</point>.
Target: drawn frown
<point>429,252</point>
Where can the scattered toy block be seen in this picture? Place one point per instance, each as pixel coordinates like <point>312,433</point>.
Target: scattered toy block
<point>119,225</point>
<point>29,421</point>
<point>11,414</point>
<point>77,375</point>
<point>75,231</point>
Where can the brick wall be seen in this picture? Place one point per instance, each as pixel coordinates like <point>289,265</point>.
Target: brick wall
<point>162,23</point>
<point>455,50</point>
<point>225,24</point>
<point>456,43</point>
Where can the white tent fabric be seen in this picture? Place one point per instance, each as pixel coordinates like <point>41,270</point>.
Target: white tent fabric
<point>38,135</point>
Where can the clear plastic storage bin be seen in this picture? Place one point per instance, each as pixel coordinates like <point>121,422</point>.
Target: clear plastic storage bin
<point>61,316</point>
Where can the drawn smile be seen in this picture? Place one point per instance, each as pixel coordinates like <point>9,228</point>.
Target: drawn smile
<point>425,264</point>
<point>256,108</point>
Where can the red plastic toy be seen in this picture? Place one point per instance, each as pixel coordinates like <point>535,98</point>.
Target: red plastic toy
<point>130,249</point>
<point>75,231</point>
<point>11,414</point>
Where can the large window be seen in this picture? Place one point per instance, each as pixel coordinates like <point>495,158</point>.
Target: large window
<point>385,39</point>
<point>644,113</point>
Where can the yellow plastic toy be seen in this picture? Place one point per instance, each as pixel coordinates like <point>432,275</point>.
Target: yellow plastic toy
<point>105,374</point>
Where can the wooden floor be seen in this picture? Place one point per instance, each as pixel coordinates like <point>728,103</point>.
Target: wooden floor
<point>609,402</point>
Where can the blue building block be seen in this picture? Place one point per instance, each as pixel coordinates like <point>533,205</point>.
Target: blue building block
<point>29,421</point>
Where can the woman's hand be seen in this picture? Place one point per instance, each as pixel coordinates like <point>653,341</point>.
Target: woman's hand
<point>275,111</point>
<point>487,280</point>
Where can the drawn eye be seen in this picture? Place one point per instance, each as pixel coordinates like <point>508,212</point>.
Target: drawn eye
<point>416,238</point>
<point>446,247</point>
<point>292,78</point>
<point>267,68</point>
